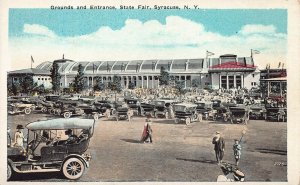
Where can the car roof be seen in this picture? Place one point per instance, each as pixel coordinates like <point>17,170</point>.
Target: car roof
<point>187,104</point>
<point>61,124</point>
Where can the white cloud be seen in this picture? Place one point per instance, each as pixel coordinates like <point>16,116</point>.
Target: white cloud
<point>177,38</point>
<point>258,29</point>
<point>36,29</point>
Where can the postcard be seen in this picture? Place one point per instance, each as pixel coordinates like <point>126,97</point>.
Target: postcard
<point>150,92</point>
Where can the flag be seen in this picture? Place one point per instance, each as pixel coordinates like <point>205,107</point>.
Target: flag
<point>255,51</point>
<point>208,53</point>
<point>282,65</point>
<point>279,64</point>
<point>32,61</point>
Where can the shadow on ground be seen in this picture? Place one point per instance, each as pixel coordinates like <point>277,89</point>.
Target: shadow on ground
<point>131,140</point>
<point>271,151</point>
<point>55,176</point>
<point>196,160</point>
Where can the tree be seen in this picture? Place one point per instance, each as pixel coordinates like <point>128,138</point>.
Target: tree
<point>55,77</point>
<point>131,85</point>
<point>14,88</point>
<point>40,89</point>
<point>164,76</point>
<point>79,79</point>
<point>115,85</point>
<point>196,83</point>
<point>100,86</point>
<point>27,84</point>
<point>180,86</point>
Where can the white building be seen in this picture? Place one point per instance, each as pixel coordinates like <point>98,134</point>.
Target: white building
<point>227,71</point>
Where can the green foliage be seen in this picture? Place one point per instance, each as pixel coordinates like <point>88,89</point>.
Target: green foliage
<point>14,88</point>
<point>115,85</point>
<point>79,80</point>
<point>27,84</point>
<point>131,85</point>
<point>40,89</point>
<point>100,86</point>
<point>55,77</point>
<point>180,86</point>
<point>196,83</point>
<point>164,77</point>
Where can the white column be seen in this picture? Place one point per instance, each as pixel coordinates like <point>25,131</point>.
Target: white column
<point>227,87</point>
<point>220,81</point>
<point>142,81</point>
<point>234,81</point>
<point>242,81</point>
<point>184,81</point>
<point>152,82</point>
<point>88,81</point>
<point>147,81</point>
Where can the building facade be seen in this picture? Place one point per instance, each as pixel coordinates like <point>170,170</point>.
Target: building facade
<point>227,71</point>
<point>40,76</point>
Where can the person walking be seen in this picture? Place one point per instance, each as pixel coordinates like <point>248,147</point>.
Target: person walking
<point>147,132</point>
<point>219,147</point>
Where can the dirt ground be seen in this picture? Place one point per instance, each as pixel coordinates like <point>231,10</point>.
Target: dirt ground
<point>178,152</point>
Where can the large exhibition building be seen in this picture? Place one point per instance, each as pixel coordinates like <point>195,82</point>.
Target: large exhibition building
<point>227,71</point>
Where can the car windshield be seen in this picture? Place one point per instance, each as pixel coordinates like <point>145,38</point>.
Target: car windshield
<point>159,103</point>
<point>179,108</point>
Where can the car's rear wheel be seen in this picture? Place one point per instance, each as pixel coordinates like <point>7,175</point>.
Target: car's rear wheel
<point>176,120</point>
<point>27,111</point>
<point>67,115</point>
<point>73,168</point>
<point>9,171</point>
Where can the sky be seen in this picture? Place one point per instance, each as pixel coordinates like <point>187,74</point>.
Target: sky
<point>94,35</point>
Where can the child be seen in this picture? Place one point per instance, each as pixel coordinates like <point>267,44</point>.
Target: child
<point>237,151</point>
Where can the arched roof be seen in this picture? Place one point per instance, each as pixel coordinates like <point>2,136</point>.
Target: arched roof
<point>173,65</point>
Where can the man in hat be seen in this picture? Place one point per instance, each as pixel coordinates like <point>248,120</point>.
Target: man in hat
<point>219,148</point>
<point>19,136</point>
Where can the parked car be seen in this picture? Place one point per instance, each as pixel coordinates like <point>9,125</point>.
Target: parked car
<point>204,108</point>
<point>46,151</point>
<point>146,109</point>
<point>187,112</point>
<point>162,108</point>
<point>257,111</point>
<point>238,115</point>
<point>16,108</point>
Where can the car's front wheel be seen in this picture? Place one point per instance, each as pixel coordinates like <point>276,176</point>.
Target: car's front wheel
<point>9,171</point>
<point>27,111</point>
<point>73,168</point>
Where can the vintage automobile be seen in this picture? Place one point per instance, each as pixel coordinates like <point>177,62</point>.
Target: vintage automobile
<point>162,108</point>
<point>68,109</point>
<point>16,108</point>
<point>133,104</point>
<point>257,111</point>
<point>276,108</point>
<point>186,112</point>
<point>89,109</point>
<point>146,109</point>
<point>276,114</point>
<point>204,108</point>
<point>238,115</point>
<point>48,150</point>
<point>121,113</point>
<point>220,113</point>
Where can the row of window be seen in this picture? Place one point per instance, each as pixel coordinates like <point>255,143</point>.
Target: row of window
<point>44,78</point>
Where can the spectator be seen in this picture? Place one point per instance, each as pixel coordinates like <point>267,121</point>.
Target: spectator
<point>219,147</point>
